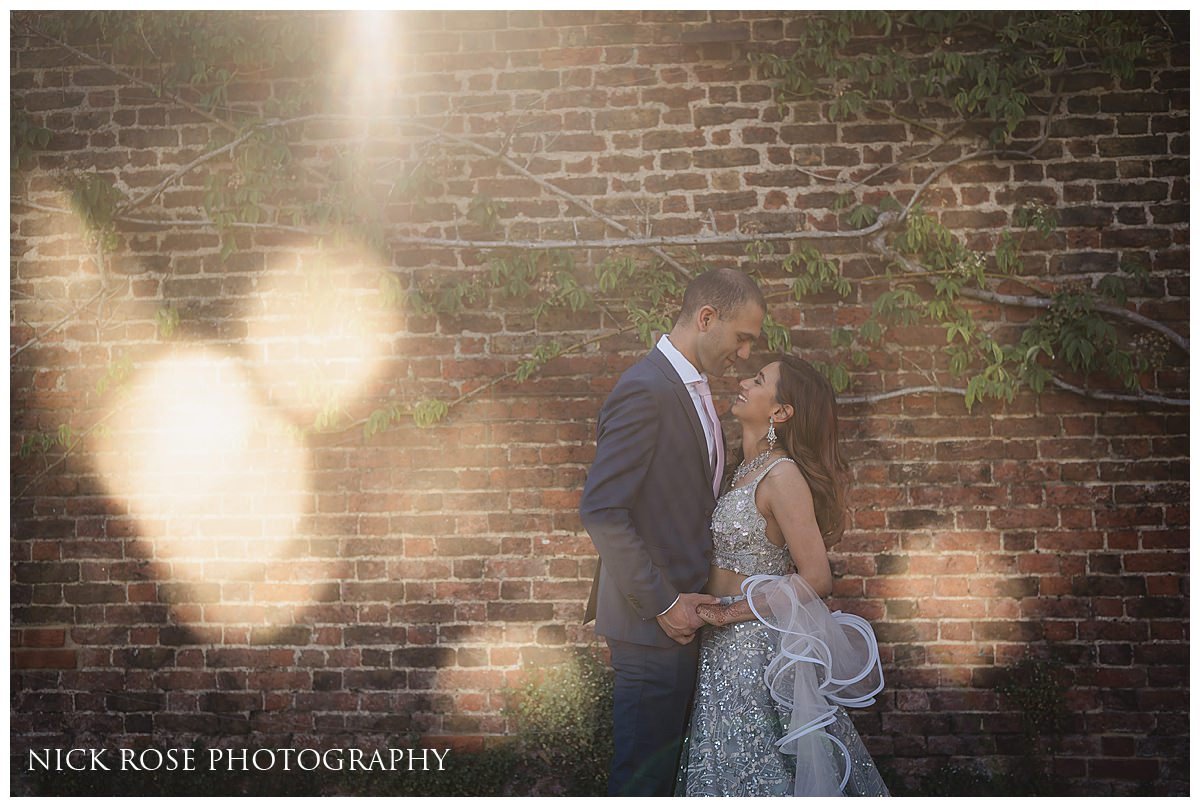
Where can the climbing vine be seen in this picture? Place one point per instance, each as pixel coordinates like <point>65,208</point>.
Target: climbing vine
<point>979,86</point>
<point>985,72</point>
<point>986,66</point>
<point>25,140</point>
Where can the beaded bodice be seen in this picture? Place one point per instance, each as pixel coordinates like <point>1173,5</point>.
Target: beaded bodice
<point>740,533</point>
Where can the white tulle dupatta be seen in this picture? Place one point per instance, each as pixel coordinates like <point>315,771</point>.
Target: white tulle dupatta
<point>825,660</point>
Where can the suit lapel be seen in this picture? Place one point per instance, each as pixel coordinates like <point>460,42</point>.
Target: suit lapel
<point>689,409</point>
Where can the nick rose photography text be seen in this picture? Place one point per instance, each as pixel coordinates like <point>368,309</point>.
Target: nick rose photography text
<point>237,759</point>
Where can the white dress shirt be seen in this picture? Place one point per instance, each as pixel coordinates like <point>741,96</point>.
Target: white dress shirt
<point>689,375</point>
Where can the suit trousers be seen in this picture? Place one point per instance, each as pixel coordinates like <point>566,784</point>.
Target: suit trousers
<point>652,694</point>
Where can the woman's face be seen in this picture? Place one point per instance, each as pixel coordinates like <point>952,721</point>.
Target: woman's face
<point>755,401</point>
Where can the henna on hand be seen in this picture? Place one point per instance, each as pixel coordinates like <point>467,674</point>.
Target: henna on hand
<point>712,614</point>
<point>720,615</point>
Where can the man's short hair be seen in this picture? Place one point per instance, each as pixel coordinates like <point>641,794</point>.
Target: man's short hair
<point>726,290</point>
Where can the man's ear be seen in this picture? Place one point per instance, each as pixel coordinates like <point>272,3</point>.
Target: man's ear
<point>705,317</point>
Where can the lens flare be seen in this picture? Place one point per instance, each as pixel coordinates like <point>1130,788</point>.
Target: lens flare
<point>367,67</point>
<point>215,483</point>
<point>318,331</point>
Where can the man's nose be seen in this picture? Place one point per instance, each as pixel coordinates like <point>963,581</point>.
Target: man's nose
<point>744,352</point>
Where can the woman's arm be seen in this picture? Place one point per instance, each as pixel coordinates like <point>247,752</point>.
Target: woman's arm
<point>718,615</point>
<point>786,500</point>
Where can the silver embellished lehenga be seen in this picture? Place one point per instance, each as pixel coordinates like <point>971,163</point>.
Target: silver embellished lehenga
<point>769,716</point>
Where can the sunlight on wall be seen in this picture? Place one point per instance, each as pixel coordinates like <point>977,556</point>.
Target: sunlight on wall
<point>365,70</point>
<point>317,331</point>
<point>216,483</point>
<point>43,289</point>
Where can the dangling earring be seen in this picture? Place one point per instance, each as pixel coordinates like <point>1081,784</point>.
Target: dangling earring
<point>772,438</point>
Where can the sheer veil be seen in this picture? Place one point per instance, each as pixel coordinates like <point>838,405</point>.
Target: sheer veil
<point>825,660</point>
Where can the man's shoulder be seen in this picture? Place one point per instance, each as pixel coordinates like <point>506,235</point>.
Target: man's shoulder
<point>649,372</point>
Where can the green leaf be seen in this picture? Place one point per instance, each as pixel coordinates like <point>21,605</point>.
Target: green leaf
<point>429,412</point>
<point>1113,287</point>
<point>167,320</point>
<point>862,216</point>
<point>841,337</point>
<point>974,391</point>
<point>377,422</point>
<point>779,338</point>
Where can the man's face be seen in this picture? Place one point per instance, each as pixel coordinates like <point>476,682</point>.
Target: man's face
<point>723,341</point>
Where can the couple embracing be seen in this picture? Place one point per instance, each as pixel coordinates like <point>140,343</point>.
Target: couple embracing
<point>711,602</point>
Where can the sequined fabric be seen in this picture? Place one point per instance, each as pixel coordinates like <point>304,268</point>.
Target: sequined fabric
<point>739,533</point>
<point>731,746</point>
<point>730,749</point>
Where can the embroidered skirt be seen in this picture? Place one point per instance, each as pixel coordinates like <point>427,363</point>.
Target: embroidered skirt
<point>733,743</point>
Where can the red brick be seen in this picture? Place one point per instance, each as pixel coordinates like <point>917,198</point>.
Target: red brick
<point>1055,517</point>
<point>44,659</point>
<point>42,637</point>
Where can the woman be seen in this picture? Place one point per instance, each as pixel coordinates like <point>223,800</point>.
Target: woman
<point>776,667</point>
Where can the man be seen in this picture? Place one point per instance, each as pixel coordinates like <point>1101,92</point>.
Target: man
<point>648,505</point>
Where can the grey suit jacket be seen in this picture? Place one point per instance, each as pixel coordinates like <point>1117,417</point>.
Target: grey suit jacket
<point>648,502</point>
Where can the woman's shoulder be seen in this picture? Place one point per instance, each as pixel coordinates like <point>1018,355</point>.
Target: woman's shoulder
<point>785,494</point>
<point>784,476</point>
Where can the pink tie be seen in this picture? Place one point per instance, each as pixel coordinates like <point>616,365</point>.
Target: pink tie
<point>706,396</point>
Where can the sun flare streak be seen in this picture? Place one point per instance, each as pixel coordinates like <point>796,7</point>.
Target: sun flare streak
<point>367,67</point>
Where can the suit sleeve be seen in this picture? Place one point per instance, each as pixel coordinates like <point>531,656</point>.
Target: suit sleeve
<point>625,442</point>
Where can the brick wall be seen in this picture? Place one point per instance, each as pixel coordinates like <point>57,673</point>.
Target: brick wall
<point>339,589</point>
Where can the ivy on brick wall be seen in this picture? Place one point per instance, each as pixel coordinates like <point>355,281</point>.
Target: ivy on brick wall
<point>982,76</point>
<point>958,89</point>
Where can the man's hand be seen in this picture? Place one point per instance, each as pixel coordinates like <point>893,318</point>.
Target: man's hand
<point>681,621</point>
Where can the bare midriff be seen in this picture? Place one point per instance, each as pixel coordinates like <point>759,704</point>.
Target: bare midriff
<point>723,582</point>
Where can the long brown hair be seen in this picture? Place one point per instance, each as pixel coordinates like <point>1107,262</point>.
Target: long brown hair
<point>810,437</point>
